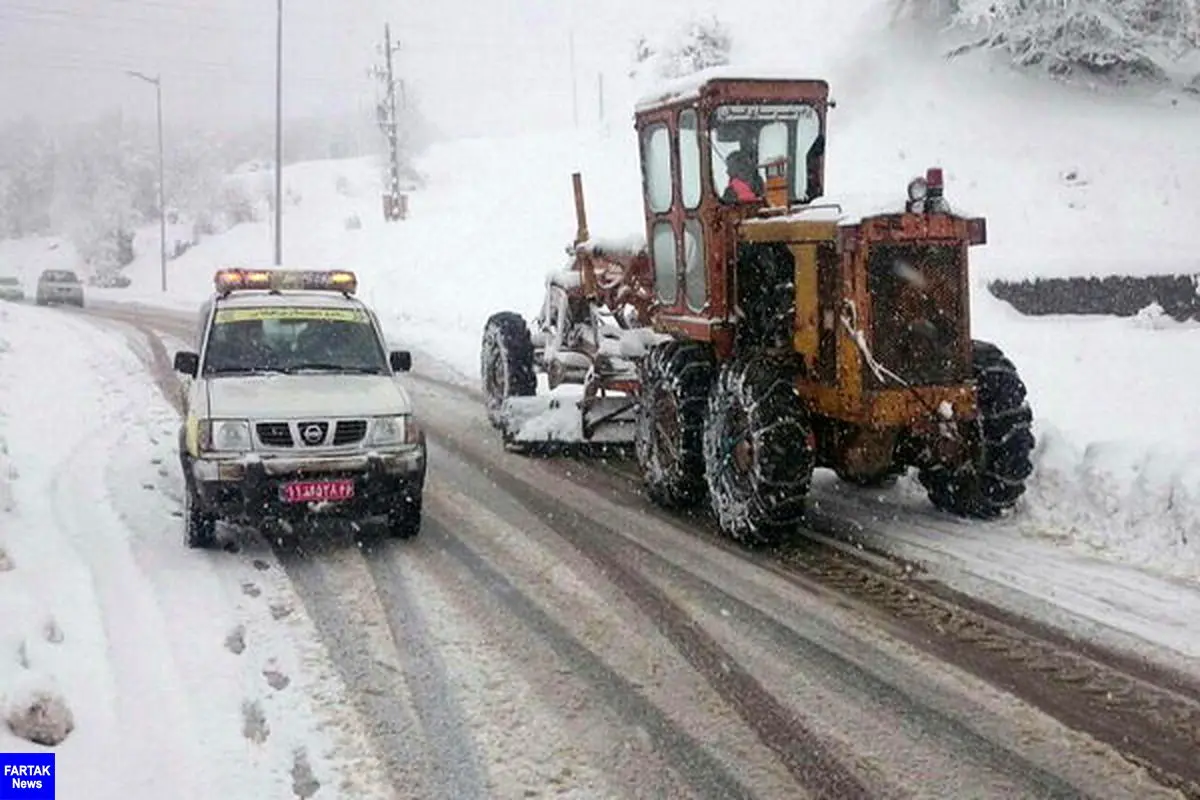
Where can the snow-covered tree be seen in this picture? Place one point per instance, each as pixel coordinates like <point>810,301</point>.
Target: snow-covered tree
<point>696,45</point>
<point>1120,40</point>
<point>100,192</point>
<point>27,156</point>
<point>96,183</point>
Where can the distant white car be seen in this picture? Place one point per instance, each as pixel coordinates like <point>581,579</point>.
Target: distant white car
<point>10,289</point>
<point>294,407</point>
<point>59,286</point>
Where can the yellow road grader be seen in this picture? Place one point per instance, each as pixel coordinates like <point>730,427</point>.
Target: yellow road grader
<point>759,331</point>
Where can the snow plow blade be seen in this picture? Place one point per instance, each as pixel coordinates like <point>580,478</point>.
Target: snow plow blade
<point>556,424</point>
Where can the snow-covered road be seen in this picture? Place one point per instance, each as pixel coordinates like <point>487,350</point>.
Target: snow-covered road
<point>548,633</point>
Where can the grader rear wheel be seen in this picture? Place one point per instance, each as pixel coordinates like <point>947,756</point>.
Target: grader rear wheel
<point>758,452</point>
<point>675,380</point>
<point>506,362</point>
<point>991,482</point>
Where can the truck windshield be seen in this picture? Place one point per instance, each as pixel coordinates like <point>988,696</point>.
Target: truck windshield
<point>246,341</point>
<point>745,137</point>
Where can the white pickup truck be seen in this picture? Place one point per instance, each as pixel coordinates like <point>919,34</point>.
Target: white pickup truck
<point>294,407</point>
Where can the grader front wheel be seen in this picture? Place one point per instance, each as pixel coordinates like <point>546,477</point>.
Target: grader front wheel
<point>993,480</point>
<point>675,379</point>
<point>506,362</point>
<point>757,450</point>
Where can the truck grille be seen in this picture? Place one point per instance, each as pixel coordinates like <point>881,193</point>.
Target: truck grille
<point>349,431</point>
<point>293,434</point>
<point>275,434</point>
<point>918,313</point>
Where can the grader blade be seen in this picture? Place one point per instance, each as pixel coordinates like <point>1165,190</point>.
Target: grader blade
<point>568,422</point>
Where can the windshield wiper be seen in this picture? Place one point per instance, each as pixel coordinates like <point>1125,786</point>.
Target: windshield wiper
<point>356,369</point>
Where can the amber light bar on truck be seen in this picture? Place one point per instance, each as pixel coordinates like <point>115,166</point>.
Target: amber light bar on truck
<point>232,280</point>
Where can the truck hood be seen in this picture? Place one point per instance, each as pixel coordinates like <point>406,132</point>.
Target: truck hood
<point>297,396</point>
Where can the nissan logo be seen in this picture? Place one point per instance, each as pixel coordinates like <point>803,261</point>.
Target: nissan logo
<point>312,434</point>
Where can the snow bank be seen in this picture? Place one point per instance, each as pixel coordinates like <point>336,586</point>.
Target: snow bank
<point>1116,422</point>
<point>32,706</point>
<point>1138,505</point>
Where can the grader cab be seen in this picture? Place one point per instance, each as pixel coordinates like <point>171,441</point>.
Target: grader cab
<point>759,331</point>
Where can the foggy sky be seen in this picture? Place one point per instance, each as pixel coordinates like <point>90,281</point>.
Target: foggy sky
<point>474,65</point>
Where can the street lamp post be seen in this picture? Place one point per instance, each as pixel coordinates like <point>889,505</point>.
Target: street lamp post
<point>279,134</point>
<point>162,205</point>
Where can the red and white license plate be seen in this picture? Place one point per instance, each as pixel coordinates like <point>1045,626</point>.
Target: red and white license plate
<point>317,491</point>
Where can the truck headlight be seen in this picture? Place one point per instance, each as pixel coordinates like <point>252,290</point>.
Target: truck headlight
<point>394,431</point>
<point>225,435</point>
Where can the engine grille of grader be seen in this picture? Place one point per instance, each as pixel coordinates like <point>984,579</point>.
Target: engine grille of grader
<point>918,314</point>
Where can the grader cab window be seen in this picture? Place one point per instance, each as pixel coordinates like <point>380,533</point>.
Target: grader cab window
<point>656,167</point>
<point>666,267</point>
<point>689,158</point>
<point>745,137</point>
<point>695,277</point>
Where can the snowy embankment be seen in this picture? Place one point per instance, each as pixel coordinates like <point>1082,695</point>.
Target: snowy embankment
<point>180,675</point>
<point>1118,456</point>
<point>1071,183</point>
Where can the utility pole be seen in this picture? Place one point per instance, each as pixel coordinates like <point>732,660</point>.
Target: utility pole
<point>393,120</point>
<point>162,193</point>
<point>279,134</point>
<point>395,204</point>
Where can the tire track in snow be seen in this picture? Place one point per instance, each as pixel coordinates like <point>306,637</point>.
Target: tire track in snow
<point>705,775</point>
<point>807,756</point>
<point>457,769</point>
<point>338,591</point>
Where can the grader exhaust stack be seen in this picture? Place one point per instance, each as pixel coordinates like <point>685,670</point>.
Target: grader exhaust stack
<point>581,226</point>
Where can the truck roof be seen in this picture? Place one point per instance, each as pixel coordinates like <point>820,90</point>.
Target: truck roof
<point>304,298</point>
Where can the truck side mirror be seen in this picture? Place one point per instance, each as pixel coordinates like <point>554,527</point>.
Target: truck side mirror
<point>401,360</point>
<point>187,363</point>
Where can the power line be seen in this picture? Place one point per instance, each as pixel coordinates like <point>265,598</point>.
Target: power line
<point>242,72</point>
<point>48,18</point>
<point>189,11</point>
<point>60,18</point>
